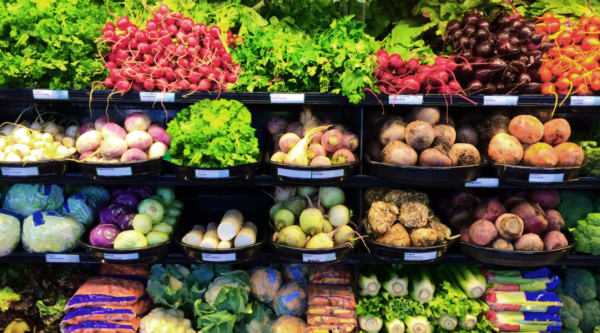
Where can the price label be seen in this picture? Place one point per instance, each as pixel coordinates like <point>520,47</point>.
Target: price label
<point>420,256</point>
<point>327,174</point>
<point>218,257</point>
<point>128,256</point>
<point>310,174</point>
<point>318,257</point>
<point>20,172</point>
<point>212,173</point>
<point>585,100</point>
<point>62,258</point>
<point>287,98</point>
<point>294,173</point>
<point>114,172</point>
<point>50,94</point>
<point>483,182</point>
<point>546,178</point>
<point>405,99</point>
<point>157,96</point>
<point>500,100</point>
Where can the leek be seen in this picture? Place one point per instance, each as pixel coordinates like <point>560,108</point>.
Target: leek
<point>392,282</point>
<point>418,324</point>
<point>466,275</point>
<point>368,284</point>
<point>394,326</point>
<point>422,288</point>
<point>468,322</point>
<point>370,324</point>
<point>447,322</point>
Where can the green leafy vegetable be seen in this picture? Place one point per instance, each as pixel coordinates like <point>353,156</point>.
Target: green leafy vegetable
<point>7,295</point>
<point>175,286</point>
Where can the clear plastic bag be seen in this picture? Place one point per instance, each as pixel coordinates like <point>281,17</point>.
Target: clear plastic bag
<point>291,299</point>
<point>330,274</point>
<point>50,232</point>
<point>295,272</point>
<point>323,295</point>
<point>10,231</point>
<point>265,283</point>
<point>26,199</point>
<point>80,208</point>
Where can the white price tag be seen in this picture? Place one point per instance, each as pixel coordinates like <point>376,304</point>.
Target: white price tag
<point>114,172</point>
<point>287,98</point>
<point>50,94</point>
<point>218,257</point>
<point>157,96</point>
<point>500,100</point>
<point>546,178</point>
<point>483,182</point>
<point>294,173</point>
<point>212,173</point>
<point>405,99</point>
<point>129,256</point>
<point>420,256</point>
<point>327,174</point>
<point>585,100</point>
<point>318,257</point>
<point>62,258</point>
<point>20,172</point>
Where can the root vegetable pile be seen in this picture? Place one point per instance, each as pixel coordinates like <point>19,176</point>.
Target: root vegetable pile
<point>232,232</point>
<point>171,53</point>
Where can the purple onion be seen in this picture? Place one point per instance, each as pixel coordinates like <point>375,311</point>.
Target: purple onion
<point>104,235</point>
<point>124,221</point>
<point>277,125</point>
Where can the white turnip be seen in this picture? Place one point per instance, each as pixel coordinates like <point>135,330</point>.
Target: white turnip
<point>113,130</point>
<point>159,134</point>
<point>101,121</point>
<point>137,121</point>
<point>132,155</point>
<point>72,131</point>
<point>113,147</point>
<point>399,153</point>
<point>157,150</point>
<point>138,139</point>
<point>419,135</point>
<point>90,141</point>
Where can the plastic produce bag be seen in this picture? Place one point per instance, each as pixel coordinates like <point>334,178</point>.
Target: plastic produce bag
<point>50,232</point>
<point>129,326</point>
<point>295,272</point>
<point>80,208</point>
<point>106,291</point>
<point>265,282</point>
<point>330,274</point>
<point>25,199</point>
<point>97,194</point>
<point>515,321</point>
<point>530,301</point>
<point>288,324</point>
<point>330,311</point>
<point>10,231</point>
<point>108,313</point>
<point>322,295</point>
<point>291,299</point>
<point>520,280</point>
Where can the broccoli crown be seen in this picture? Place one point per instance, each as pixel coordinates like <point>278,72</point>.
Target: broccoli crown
<point>597,329</point>
<point>592,219</point>
<point>566,330</point>
<point>591,159</point>
<point>588,323</point>
<point>570,313</point>
<point>580,285</point>
<point>587,237</point>
<point>574,206</point>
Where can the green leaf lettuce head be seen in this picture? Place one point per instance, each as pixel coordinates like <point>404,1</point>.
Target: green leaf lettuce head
<point>175,286</point>
<point>7,295</point>
<point>213,134</point>
<point>51,312</point>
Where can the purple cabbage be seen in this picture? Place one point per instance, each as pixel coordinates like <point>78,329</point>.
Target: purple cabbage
<point>109,214</point>
<point>144,192</point>
<point>124,221</point>
<point>127,199</point>
<point>104,235</point>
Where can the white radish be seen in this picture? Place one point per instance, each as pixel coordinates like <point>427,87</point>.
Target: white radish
<point>51,129</point>
<point>12,157</point>
<point>224,244</point>
<point>194,237</point>
<point>246,236</point>
<point>72,131</point>
<point>230,225</point>
<point>211,238</point>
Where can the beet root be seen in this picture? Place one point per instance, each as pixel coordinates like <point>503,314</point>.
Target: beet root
<point>399,153</point>
<point>533,217</point>
<point>509,226</point>
<point>505,149</point>
<point>464,198</point>
<point>433,157</point>
<point>419,135</point>
<point>547,199</point>
<point>482,232</point>
<point>556,131</point>
<point>460,219</point>
<point>466,154</point>
<point>555,220</point>
<point>467,134</point>
<point>489,209</point>
<point>502,244</point>
<point>555,240</point>
<point>528,129</point>
<point>529,242</point>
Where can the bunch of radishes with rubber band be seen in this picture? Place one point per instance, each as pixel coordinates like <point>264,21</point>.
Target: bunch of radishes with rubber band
<point>171,53</point>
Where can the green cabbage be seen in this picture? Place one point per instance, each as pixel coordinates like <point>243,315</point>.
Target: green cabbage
<point>80,208</point>
<point>97,194</point>
<point>25,199</point>
<point>10,232</point>
<point>48,231</point>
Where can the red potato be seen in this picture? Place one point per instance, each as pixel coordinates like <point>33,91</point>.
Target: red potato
<point>482,232</point>
<point>528,129</point>
<point>466,154</point>
<point>393,129</point>
<point>534,218</point>
<point>546,198</point>
<point>433,157</point>
<point>428,114</point>
<point>509,226</point>
<point>464,236</point>
<point>502,244</point>
<point>540,155</point>
<point>569,154</point>
<point>505,149</point>
<point>529,242</point>
<point>489,209</point>
<point>399,153</point>
<point>555,220</point>
<point>556,131</point>
<point>555,240</point>
<point>419,135</point>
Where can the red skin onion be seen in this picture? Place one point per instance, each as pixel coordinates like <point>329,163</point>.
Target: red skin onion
<point>320,161</point>
<point>350,141</point>
<point>332,140</point>
<point>288,141</point>
<point>277,125</point>
<point>342,156</point>
<point>316,150</point>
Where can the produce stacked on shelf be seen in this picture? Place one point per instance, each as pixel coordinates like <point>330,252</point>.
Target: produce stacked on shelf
<point>588,141</point>
<point>428,139</point>
<point>300,221</point>
<point>518,220</point>
<point>105,141</point>
<point>403,219</point>
<point>212,134</point>
<point>137,217</point>
<point>323,146</point>
<point>578,291</point>
<point>231,232</point>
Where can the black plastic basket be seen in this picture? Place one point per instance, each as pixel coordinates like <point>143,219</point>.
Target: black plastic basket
<point>116,172</point>
<point>32,171</point>
<point>301,255</point>
<point>530,176</point>
<point>133,256</point>
<point>417,255</point>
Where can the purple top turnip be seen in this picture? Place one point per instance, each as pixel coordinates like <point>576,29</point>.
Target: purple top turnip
<point>158,134</point>
<point>101,121</point>
<point>113,130</point>
<point>137,121</point>
<point>288,141</point>
<point>342,156</point>
<point>350,141</point>
<point>332,140</point>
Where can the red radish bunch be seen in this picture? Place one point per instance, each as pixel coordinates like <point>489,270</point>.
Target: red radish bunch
<point>171,53</point>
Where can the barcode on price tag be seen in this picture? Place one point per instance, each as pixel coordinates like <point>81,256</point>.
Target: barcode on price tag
<point>114,172</point>
<point>585,100</point>
<point>483,182</point>
<point>218,257</point>
<point>287,98</point>
<point>50,94</point>
<point>128,256</point>
<point>62,258</point>
<point>318,257</point>
<point>500,100</point>
<point>157,96</point>
<point>546,178</point>
<point>420,256</point>
<point>405,99</point>
<point>20,172</point>
<point>327,174</point>
<point>212,173</point>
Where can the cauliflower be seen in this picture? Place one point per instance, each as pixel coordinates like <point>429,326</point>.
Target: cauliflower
<point>580,285</point>
<point>160,320</point>
<point>570,313</point>
<point>215,287</point>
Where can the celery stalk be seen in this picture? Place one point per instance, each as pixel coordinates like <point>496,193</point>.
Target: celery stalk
<point>418,324</point>
<point>422,288</point>
<point>368,284</point>
<point>370,324</point>
<point>447,322</point>
<point>468,322</point>
<point>394,326</point>
<point>471,284</point>
<point>392,282</point>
